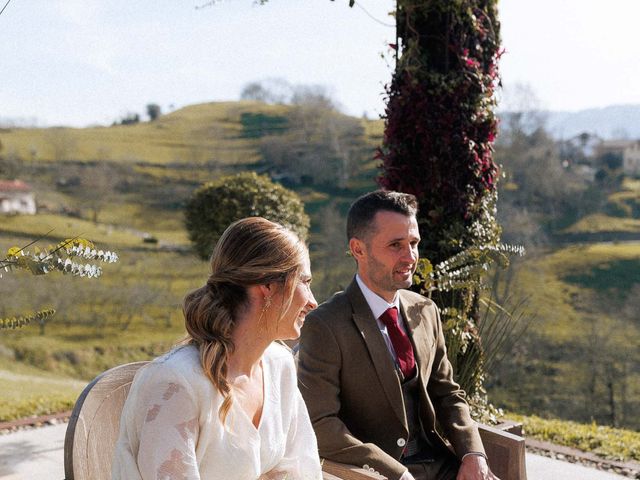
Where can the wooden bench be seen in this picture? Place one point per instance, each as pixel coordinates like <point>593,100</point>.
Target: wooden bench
<point>95,421</point>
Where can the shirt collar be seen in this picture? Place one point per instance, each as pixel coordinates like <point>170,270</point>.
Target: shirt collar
<point>376,303</point>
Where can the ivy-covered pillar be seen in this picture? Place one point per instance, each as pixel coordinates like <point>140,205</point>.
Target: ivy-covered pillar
<point>439,131</point>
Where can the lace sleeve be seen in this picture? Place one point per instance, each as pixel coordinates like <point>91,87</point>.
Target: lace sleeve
<point>169,430</point>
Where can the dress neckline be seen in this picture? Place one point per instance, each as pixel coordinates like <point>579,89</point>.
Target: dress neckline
<point>266,396</point>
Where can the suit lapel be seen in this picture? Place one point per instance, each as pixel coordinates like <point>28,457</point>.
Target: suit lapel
<point>368,328</point>
<point>415,322</point>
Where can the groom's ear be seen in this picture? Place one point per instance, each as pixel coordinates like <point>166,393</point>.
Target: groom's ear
<point>357,248</point>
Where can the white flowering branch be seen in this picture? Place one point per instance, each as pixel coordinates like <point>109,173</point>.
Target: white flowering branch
<point>66,257</point>
<point>62,257</point>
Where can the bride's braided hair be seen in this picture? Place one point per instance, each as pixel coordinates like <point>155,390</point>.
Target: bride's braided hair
<point>251,251</point>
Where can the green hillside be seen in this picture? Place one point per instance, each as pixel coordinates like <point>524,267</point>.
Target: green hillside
<point>578,359</point>
<point>225,134</point>
<point>139,176</point>
<point>193,134</point>
<point>621,214</point>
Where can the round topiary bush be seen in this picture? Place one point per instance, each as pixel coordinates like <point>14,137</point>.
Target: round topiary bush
<point>217,204</point>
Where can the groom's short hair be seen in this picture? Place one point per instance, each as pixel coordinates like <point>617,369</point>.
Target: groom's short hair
<point>364,209</point>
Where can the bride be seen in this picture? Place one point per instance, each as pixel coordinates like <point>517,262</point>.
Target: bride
<point>225,404</point>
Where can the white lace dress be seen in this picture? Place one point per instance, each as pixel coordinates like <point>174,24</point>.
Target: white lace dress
<point>170,429</point>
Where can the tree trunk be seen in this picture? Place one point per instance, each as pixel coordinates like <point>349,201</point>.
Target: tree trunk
<point>439,131</point>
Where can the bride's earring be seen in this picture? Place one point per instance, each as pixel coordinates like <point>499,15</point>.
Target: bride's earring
<point>265,307</point>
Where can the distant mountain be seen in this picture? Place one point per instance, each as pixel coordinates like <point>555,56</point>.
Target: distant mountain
<point>615,121</point>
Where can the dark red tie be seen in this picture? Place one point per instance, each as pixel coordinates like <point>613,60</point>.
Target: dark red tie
<point>400,341</point>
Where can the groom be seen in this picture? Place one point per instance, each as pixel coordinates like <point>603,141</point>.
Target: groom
<point>373,368</point>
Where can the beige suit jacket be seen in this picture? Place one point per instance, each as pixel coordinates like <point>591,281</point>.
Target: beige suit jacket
<point>348,380</point>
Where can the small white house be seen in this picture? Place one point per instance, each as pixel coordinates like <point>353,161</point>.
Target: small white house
<point>631,160</point>
<point>629,151</point>
<point>16,197</point>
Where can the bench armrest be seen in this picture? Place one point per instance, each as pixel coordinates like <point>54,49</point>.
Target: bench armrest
<point>506,453</point>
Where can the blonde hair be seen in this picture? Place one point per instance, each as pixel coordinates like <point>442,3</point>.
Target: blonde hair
<point>251,251</point>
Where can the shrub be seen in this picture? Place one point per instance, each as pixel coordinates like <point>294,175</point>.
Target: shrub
<point>217,204</point>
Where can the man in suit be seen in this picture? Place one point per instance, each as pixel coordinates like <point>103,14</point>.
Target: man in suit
<point>372,364</point>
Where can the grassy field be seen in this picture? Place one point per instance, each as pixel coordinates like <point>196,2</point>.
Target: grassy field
<point>566,278</point>
<point>621,213</point>
<point>57,227</point>
<point>196,134</point>
<point>610,443</point>
<point>167,231</point>
<point>599,222</point>
<point>579,357</point>
<point>28,391</point>
<point>131,313</point>
<point>192,134</point>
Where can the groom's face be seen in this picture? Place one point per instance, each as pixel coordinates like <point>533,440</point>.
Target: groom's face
<point>388,256</point>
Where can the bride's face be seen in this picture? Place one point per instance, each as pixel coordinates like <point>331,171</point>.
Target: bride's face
<point>302,302</point>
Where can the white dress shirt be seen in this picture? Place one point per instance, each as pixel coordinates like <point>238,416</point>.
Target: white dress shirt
<point>378,306</point>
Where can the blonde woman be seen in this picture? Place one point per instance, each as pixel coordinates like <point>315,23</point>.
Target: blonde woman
<point>225,405</point>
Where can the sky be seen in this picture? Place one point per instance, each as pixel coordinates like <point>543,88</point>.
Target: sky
<point>87,62</point>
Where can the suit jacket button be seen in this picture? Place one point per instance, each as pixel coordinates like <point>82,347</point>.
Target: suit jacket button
<point>401,442</point>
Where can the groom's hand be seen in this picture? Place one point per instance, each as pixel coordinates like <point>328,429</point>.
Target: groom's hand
<point>474,467</point>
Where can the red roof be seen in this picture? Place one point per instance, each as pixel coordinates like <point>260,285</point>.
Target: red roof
<point>14,186</point>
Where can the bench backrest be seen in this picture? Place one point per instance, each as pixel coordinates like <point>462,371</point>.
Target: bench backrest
<point>94,424</point>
